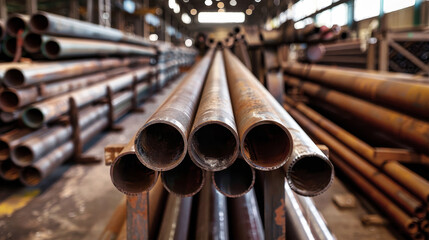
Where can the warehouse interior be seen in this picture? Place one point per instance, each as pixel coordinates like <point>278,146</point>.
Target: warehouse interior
<point>214,119</point>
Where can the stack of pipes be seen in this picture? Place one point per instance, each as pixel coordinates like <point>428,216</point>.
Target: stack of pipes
<point>37,98</point>
<point>395,104</point>
<point>216,129</point>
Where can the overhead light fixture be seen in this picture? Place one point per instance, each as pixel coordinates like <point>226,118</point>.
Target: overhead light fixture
<point>249,11</point>
<point>171,3</point>
<point>185,1</point>
<point>220,5</point>
<point>194,11</point>
<point>188,42</point>
<point>208,2</point>
<point>153,37</point>
<point>233,3</point>
<point>221,17</point>
<point>257,0</point>
<point>186,19</point>
<point>221,10</point>
<point>176,8</point>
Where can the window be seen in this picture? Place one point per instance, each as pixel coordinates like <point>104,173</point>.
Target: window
<point>366,9</point>
<point>303,23</point>
<point>394,5</point>
<point>323,3</point>
<point>303,8</point>
<point>324,18</point>
<point>340,14</point>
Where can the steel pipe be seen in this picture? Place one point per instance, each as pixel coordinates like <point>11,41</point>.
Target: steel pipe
<point>400,218</point>
<point>185,180</point>
<point>394,123</point>
<point>161,143</point>
<point>213,141</point>
<point>212,215</point>
<point>9,46</point>
<point>409,97</point>
<point>32,42</point>
<point>31,74</point>
<point>45,111</point>
<point>413,182</point>
<point>157,200</point>
<point>128,175</point>
<point>9,170</point>
<point>176,220</point>
<point>117,220</point>
<point>402,197</point>
<point>265,142</point>
<point>59,47</point>
<point>235,181</point>
<point>15,23</point>
<point>11,99</point>
<point>245,220</point>
<point>12,138</point>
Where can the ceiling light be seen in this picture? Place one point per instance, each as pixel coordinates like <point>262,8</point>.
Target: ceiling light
<point>221,17</point>
<point>221,10</point>
<point>153,37</point>
<point>185,1</point>
<point>220,5</point>
<point>171,3</point>
<point>208,2</point>
<point>249,11</point>
<point>188,42</point>
<point>194,11</point>
<point>176,8</point>
<point>257,0</point>
<point>233,3</point>
<point>186,19</point>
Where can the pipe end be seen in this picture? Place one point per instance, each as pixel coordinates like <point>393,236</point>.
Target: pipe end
<point>9,100</point>
<point>32,42</point>
<point>39,23</point>
<point>13,78</point>
<point>33,117</point>
<point>236,180</point>
<point>51,49</point>
<point>30,176</point>
<point>14,24</point>
<point>22,156</point>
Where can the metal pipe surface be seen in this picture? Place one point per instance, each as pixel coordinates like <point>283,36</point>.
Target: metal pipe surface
<point>9,170</point>
<point>394,123</point>
<point>265,142</point>
<point>409,97</point>
<point>157,200</point>
<point>235,181</point>
<point>32,42</point>
<point>128,175</point>
<point>185,180</point>
<point>402,197</point>
<point>161,143</point>
<point>15,23</point>
<point>212,218</point>
<point>176,220</point>
<point>2,30</point>
<point>244,217</point>
<point>399,217</point>
<point>213,141</point>
<point>12,138</point>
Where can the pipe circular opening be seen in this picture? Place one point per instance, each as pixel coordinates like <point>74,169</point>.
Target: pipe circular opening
<point>30,176</point>
<point>22,155</point>
<point>52,49</point>
<point>236,180</point>
<point>4,150</point>
<point>8,170</point>
<point>14,24</point>
<point>9,100</point>
<point>33,117</point>
<point>10,46</point>
<point>130,176</point>
<point>39,23</point>
<point>214,147</point>
<point>266,146</point>
<point>33,42</point>
<point>160,146</point>
<point>13,77</point>
<point>311,175</point>
<point>184,180</point>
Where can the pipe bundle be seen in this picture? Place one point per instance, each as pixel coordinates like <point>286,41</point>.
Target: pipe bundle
<point>220,120</point>
<point>37,98</point>
<point>398,108</point>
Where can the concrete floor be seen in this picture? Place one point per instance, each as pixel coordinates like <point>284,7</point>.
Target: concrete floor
<point>77,201</point>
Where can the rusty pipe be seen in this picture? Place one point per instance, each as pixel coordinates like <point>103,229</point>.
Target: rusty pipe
<point>399,217</point>
<point>9,170</point>
<point>128,175</point>
<point>32,42</point>
<point>409,97</point>
<point>265,142</point>
<point>2,30</point>
<point>161,143</point>
<point>401,196</point>
<point>245,220</point>
<point>35,173</point>
<point>394,123</point>
<point>235,181</point>
<point>157,199</point>
<point>424,226</point>
<point>12,138</point>
<point>59,47</point>
<point>9,47</point>
<point>185,180</point>
<point>9,117</point>
<point>36,73</point>
<point>213,141</point>
<point>212,215</point>
<point>113,227</point>
<point>413,182</point>
<point>15,23</point>
<point>176,220</point>
<point>50,109</point>
<point>11,99</point>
